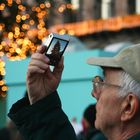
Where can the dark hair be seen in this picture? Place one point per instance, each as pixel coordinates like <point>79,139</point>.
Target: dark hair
<point>90,114</point>
<point>4,134</point>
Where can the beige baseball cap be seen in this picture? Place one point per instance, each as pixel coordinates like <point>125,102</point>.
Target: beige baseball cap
<point>128,59</point>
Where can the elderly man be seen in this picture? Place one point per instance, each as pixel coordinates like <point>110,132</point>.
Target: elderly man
<point>118,99</point>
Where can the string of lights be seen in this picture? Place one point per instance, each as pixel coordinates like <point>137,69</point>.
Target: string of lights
<point>3,87</point>
<point>94,26</point>
<point>22,35</point>
<point>22,29</point>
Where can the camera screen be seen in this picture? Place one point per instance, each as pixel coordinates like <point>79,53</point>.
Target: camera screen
<point>57,46</point>
<point>56,50</point>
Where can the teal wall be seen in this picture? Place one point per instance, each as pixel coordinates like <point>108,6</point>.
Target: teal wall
<point>74,89</point>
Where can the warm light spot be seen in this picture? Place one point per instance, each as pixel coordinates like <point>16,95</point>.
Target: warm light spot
<point>3,43</point>
<point>17,29</point>
<point>48,5</point>
<point>71,32</point>
<point>42,5</point>
<point>10,35</point>
<point>62,31</point>
<point>17,33</point>
<point>18,50</point>
<point>1,82</point>
<point>61,9</point>
<point>21,7</point>
<point>27,16</point>
<point>8,54</point>
<point>1,53</point>
<point>4,88</point>
<point>3,72</point>
<point>22,34</point>
<point>2,6</point>
<point>33,8</point>
<point>18,17</point>
<point>18,21</point>
<point>38,9</point>
<point>25,26</point>
<point>69,6</point>
<point>1,47</point>
<point>6,48</point>
<point>2,26</point>
<point>31,22</point>
<point>23,17</point>
<point>10,2</point>
<point>2,64</point>
<point>15,36</point>
<point>18,1</point>
<point>19,41</point>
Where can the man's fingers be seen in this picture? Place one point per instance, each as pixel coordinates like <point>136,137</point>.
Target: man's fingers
<point>59,68</point>
<point>40,57</point>
<point>34,70</point>
<point>41,49</point>
<point>48,73</point>
<point>39,64</point>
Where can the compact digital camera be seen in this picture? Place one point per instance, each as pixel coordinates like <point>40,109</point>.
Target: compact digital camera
<point>56,45</point>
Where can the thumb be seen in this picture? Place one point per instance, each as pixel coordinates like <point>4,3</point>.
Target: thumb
<point>41,49</point>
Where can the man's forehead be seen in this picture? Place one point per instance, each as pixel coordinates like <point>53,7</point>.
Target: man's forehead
<point>106,70</point>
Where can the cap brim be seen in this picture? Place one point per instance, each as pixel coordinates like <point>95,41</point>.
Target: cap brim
<point>103,61</point>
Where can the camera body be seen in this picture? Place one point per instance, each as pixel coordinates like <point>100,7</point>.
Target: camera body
<point>56,45</point>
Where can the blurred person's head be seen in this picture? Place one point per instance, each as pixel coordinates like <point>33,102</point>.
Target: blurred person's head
<point>89,117</point>
<point>118,94</point>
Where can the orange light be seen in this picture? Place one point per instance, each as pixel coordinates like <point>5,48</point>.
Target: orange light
<point>2,6</point>
<point>4,88</point>
<point>10,2</point>
<point>10,35</point>
<point>42,5</point>
<point>38,9</point>
<point>69,6</point>
<point>1,53</point>
<point>1,47</point>
<point>1,82</point>
<point>31,22</point>
<point>18,1</point>
<point>62,8</point>
<point>23,17</point>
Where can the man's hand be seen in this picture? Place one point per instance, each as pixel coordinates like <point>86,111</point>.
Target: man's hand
<point>41,81</point>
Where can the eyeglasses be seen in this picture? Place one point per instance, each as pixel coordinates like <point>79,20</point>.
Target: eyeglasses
<point>99,84</point>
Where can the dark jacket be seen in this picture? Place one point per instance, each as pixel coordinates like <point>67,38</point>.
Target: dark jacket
<point>4,134</point>
<point>43,120</point>
<point>92,134</point>
<point>135,137</point>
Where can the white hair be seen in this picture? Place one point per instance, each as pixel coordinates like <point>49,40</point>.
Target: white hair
<point>128,85</point>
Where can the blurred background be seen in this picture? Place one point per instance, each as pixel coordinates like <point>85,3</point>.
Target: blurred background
<point>96,28</point>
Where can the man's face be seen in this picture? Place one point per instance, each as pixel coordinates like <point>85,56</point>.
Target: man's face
<point>108,101</point>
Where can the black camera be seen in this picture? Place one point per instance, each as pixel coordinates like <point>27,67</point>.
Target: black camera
<point>56,45</point>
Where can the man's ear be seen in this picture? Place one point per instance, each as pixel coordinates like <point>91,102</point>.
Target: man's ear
<point>130,107</point>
